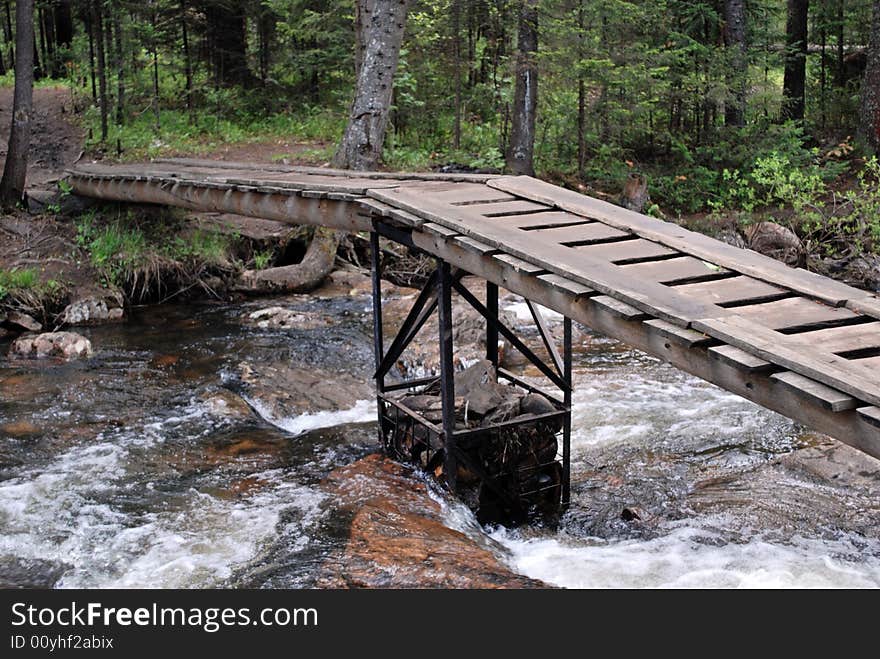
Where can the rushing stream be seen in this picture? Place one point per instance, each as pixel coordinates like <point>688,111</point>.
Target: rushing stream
<point>132,469</point>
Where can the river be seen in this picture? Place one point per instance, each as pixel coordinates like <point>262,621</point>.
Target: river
<point>135,468</point>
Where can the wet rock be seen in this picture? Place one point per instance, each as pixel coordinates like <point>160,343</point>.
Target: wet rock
<point>837,463</point>
<point>398,538</point>
<point>18,572</point>
<point>67,345</point>
<point>536,404</point>
<point>228,405</point>
<point>284,391</point>
<point>347,283</point>
<point>281,318</point>
<point>17,321</point>
<point>19,429</point>
<point>93,309</point>
<point>776,241</point>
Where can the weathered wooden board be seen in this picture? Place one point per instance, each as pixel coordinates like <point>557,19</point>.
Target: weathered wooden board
<point>626,251</point>
<point>794,312</point>
<point>535,221</point>
<point>816,364</point>
<point>827,397</point>
<point>843,339</point>
<point>732,289</point>
<point>741,359</point>
<point>508,208</point>
<point>581,234</point>
<point>679,238</point>
<point>670,271</point>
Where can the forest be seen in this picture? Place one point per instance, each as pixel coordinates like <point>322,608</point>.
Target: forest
<point>716,113</point>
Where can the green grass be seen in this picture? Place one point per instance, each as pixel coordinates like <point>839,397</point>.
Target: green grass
<point>206,131</point>
<point>25,283</point>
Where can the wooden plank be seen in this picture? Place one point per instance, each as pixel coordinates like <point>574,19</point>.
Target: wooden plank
<point>870,415</point>
<point>793,312</point>
<point>539,220</point>
<point>732,289</point>
<point>686,337</point>
<point>842,339</point>
<point>871,363</point>
<point>464,194</point>
<point>827,368</point>
<point>580,233</point>
<point>741,359</point>
<point>625,251</point>
<point>508,208</point>
<point>868,305</point>
<point>669,271</point>
<point>829,398</point>
<point>518,264</point>
<point>655,299</point>
<point>564,284</point>
<point>679,238</point>
<point>474,245</point>
<point>618,308</point>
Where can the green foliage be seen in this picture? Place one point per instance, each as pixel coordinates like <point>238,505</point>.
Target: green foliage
<point>262,259</point>
<point>18,280</point>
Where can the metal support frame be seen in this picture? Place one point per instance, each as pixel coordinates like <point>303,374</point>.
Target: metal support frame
<point>437,295</point>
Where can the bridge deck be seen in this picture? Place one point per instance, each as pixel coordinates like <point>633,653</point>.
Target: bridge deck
<point>795,342</point>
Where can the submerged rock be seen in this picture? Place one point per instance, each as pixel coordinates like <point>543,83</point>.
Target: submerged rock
<point>398,538</point>
<point>67,345</point>
<point>30,572</point>
<point>18,321</point>
<point>281,390</point>
<point>227,405</point>
<point>281,318</point>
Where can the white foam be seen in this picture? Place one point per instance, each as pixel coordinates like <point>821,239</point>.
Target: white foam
<point>362,411</point>
<point>691,556</point>
<point>522,313</point>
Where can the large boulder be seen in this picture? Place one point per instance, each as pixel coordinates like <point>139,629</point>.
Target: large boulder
<point>777,241</point>
<point>66,345</point>
<point>399,538</point>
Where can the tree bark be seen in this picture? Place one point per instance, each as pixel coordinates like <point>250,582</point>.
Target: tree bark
<point>10,39</point>
<point>98,22</point>
<point>869,111</point>
<point>300,277</point>
<point>12,185</point>
<point>187,61</point>
<point>521,151</point>
<point>737,79</point>
<point>120,67</point>
<point>795,80</point>
<point>456,69</point>
<point>383,23</point>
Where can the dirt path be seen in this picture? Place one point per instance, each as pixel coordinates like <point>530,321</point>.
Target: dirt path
<point>56,140</point>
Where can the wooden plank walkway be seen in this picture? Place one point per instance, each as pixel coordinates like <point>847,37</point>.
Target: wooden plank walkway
<point>791,340</point>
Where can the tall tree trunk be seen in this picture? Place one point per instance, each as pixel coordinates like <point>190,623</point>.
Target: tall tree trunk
<point>62,26</point>
<point>187,60</point>
<point>12,185</point>
<point>98,22</point>
<point>840,79</point>
<point>90,25</point>
<point>155,48</point>
<point>582,92</point>
<point>10,40</point>
<point>120,66</point>
<point>521,151</point>
<point>795,81</point>
<point>737,78</point>
<point>383,23</point>
<point>456,69</point>
<point>869,112</point>
<point>41,33</point>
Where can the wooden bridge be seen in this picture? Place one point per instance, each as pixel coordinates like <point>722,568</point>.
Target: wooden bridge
<point>803,345</point>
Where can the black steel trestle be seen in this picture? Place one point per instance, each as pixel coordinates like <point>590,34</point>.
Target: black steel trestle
<point>443,446</point>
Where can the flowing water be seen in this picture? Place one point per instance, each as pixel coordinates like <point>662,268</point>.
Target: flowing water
<point>130,470</point>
